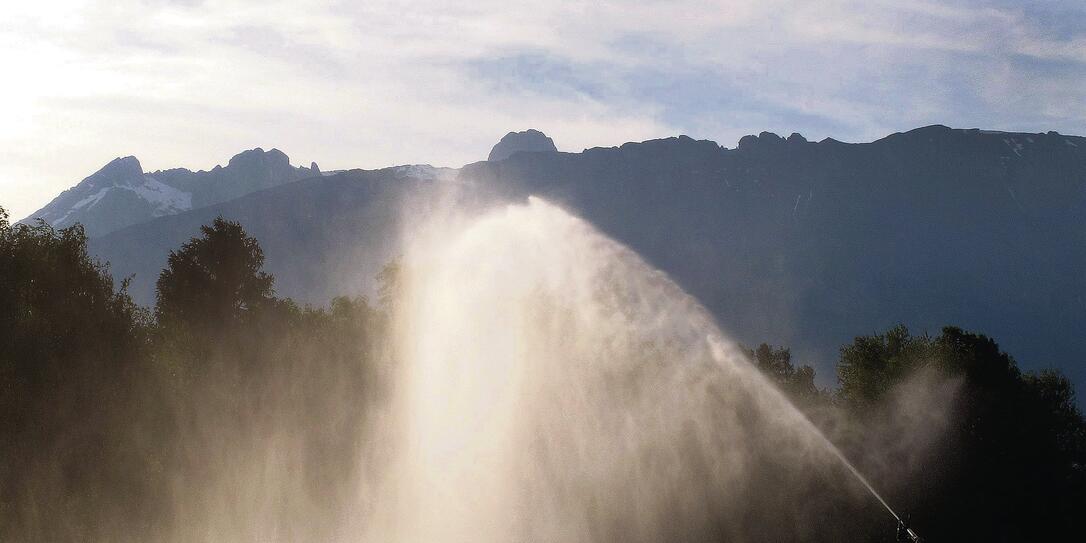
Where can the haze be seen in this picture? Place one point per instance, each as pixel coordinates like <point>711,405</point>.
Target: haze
<point>190,83</point>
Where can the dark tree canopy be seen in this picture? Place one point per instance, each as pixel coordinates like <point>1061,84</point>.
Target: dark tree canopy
<point>215,279</point>
<point>872,365</point>
<point>1013,462</point>
<point>105,408</point>
<point>109,419</point>
<point>57,305</point>
<point>776,364</point>
<point>70,346</point>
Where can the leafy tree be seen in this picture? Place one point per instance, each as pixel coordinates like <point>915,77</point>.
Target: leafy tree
<point>1056,399</point>
<point>213,280</point>
<point>1013,460</point>
<point>389,283</point>
<point>70,352</point>
<point>776,364</point>
<point>107,426</point>
<point>872,365</point>
<point>101,415</point>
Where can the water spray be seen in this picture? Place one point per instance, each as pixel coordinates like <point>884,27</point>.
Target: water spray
<point>904,532</point>
<point>585,396</point>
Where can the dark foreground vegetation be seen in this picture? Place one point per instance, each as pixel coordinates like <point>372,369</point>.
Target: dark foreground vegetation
<point>121,423</point>
<point>115,418</point>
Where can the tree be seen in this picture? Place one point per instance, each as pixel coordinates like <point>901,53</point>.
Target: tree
<point>109,423</point>
<point>1055,396</point>
<point>70,353</point>
<point>871,365</point>
<point>213,280</point>
<point>389,281</point>
<point>57,304</point>
<point>1013,459</point>
<point>776,364</point>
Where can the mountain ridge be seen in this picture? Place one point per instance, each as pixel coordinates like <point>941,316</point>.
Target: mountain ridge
<point>147,195</point>
<point>121,194</point>
<point>784,240</point>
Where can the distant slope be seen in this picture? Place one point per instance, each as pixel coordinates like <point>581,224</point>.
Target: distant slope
<point>121,194</point>
<point>322,236</point>
<point>531,141</point>
<point>809,244</point>
<point>797,243</point>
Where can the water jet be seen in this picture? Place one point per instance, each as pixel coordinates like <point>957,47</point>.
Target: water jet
<point>555,387</point>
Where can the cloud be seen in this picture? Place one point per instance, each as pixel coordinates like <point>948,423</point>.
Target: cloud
<point>378,83</point>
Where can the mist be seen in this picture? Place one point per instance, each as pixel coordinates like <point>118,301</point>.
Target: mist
<point>516,375</point>
<point>557,388</point>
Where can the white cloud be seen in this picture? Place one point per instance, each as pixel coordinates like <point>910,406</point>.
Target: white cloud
<point>379,83</point>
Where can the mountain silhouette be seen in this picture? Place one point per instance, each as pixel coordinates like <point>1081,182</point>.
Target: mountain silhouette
<point>531,141</point>
<point>121,194</point>
<point>786,241</point>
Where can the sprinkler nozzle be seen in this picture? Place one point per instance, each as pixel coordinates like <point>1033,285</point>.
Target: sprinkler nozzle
<point>906,534</point>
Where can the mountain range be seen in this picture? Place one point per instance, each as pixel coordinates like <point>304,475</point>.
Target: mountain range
<point>798,243</point>
<point>121,193</point>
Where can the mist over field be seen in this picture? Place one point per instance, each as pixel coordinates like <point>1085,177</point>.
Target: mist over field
<point>579,272</point>
<point>518,376</point>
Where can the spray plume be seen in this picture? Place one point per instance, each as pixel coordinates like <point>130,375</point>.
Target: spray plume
<point>554,387</point>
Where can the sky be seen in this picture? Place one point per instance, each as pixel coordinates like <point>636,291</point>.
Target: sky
<point>373,84</point>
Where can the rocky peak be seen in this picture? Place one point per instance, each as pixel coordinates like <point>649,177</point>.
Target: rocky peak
<point>531,140</point>
<point>761,141</point>
<point>259,158</point>
<point>119,171</point>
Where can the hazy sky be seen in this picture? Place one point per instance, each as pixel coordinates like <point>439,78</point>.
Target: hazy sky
<point>370,84</point>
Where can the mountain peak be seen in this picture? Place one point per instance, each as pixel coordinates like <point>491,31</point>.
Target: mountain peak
<point>932,129</point>
<point>259,156</point>
<point>531,140</point>
<point>119,168</point>
<point>121,193</point>
<point>763,140</point>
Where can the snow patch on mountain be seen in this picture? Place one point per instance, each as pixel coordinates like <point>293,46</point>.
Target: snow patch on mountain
<point>1015,145</point>
<point>90,200</point>
<point>121,193</point>
<point>424,171</point>
<point>87,202</point>
<point>166,199</point>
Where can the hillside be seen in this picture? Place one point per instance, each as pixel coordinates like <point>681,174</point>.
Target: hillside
<point>788,241</point>
<point>121,194</point>
<point>323,236</point>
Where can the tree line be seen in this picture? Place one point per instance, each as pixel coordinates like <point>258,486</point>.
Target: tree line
<point>126,423</point>
<point>998,455</point>
<point>121,423</point>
